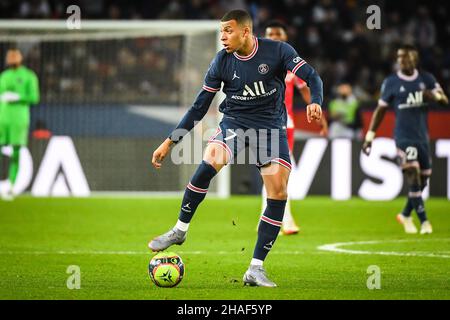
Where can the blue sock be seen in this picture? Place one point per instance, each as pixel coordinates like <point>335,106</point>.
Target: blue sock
<point>196,191</point>
<point>415,196</point>
<point>268,228</point>
<point>408,208</point>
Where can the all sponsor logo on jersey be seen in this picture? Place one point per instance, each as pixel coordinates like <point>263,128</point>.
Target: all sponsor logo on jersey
<point>414,100</point>
<point>254,91</point>
<point>263,68</point>
<point>297,59</point>
<point>259,89</point>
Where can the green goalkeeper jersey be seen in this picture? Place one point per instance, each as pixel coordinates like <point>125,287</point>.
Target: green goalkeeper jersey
<point>23,82</point>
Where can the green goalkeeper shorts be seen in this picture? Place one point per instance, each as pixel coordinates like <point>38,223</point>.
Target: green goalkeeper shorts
<point>14,134</point>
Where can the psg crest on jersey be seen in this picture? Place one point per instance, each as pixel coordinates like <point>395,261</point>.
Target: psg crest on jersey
<point>263,68</point>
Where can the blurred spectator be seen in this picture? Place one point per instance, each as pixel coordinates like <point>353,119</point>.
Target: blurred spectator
<point>343,114</point>
<point>35,9</point>
<point>331,35</point>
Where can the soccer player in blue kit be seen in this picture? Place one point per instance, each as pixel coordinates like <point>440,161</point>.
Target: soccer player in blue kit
<point>408,92</point>
<point>252,71</point>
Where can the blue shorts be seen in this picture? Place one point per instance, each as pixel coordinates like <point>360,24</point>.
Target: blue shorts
<point>414,154</point>
<point>266,145</point>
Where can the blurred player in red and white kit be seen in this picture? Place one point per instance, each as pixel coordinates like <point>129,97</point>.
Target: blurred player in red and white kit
<point>276,30</point>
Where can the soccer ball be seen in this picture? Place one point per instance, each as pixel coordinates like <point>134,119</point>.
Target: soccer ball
<point>166,269</point>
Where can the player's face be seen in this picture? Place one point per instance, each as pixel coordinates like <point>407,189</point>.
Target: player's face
<point>13,58</point>
<point>276,34</point>
<point>233,35</point>
<point>406,59</point>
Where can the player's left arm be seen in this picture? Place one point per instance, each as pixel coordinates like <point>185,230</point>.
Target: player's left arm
<point>31,95</point>
<point>306,95</point>
<point>434,91</point>
<point>303,70</point>
<point>33,89</point>
<point>303,89</point>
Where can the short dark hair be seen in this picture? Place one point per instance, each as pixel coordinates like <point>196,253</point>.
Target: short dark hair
<point>241,17</point>
<point>276,24</point>
<point>408,47</point>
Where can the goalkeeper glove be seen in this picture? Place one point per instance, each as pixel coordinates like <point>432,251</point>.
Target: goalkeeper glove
<point>9,97</point>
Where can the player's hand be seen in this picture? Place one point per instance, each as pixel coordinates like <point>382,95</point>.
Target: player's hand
<point>313,112</point>
<point>440,96</point>
<point>436,95</point>
<point>367,147</point>
<point>161,153</point>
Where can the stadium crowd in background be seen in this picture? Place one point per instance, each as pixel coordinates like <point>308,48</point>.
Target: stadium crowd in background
<point>331,35</point>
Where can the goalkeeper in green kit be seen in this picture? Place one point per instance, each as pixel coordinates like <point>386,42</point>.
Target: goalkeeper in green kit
<point>19,88</point>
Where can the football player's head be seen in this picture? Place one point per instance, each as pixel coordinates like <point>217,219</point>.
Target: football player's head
<point>276,30</point>
<point>235,28</point>
<point>344,90</point>
<point>407,58</point>
<point>13,58</point>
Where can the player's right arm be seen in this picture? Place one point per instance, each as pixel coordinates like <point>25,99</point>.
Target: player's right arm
<point>2,87</point>
<point>377,116</point>
<point>195,113</point>
<point>6,96</point>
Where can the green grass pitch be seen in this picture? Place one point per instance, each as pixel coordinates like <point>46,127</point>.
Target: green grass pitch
<point>107,238</point>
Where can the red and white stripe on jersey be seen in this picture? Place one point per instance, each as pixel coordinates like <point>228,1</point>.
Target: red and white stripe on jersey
<point>382,103</point>
<point>271,221</point>
<point>209,89</point>
<point>251,55</point>
<point>280,161</point>
<point>284,163</point>
<point>191,187</point>
<point>298,66</point>
<point>218,131</point>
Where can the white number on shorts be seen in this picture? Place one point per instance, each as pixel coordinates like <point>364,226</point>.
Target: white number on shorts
<point>411,153</point>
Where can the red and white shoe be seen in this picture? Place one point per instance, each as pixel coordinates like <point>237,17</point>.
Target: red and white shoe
<point>407,223</point>
<point>289,229</point>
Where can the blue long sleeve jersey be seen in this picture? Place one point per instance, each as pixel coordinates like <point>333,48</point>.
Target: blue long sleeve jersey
<point>254,86</point>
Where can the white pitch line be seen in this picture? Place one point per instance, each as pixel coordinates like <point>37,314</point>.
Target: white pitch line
<point>62,252</point>
<point>336,247</point>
